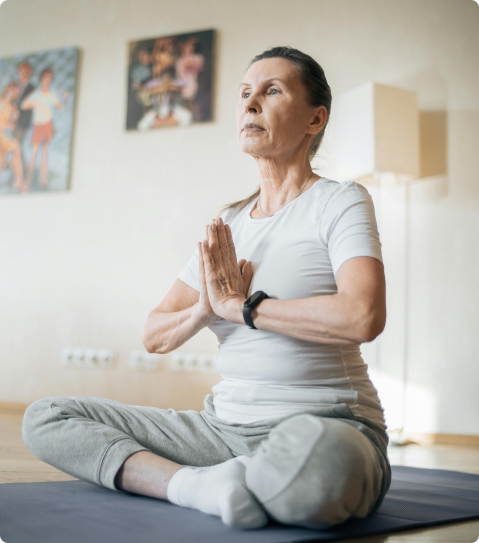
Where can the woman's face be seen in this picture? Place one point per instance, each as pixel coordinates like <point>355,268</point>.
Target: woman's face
<point>46,79</point>
<point>274,119</point>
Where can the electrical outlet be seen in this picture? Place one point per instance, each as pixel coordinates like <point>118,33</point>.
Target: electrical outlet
<point>192,362</point>
<point>177,361</point>
<point>105,358</point>
<point>151,360</point>
<point>135,360</point>
<point>91,358</point>
<point>78,357</point>
<point>143,360</point>
<point>207,362</point>
<point>67,356</point>
<point>87,358</point>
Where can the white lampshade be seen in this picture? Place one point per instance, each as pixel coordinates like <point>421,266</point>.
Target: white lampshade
<point>376,131</point>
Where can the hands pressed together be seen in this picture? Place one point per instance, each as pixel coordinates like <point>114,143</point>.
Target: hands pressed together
<point>224,282</point>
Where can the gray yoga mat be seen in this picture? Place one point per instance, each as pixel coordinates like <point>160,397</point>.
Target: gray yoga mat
<point>79,512</point>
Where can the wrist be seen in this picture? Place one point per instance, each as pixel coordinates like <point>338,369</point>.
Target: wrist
<point>201,318</point>
<point>235,310</point>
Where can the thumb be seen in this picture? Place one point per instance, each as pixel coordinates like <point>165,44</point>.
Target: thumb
<point>247,273</point>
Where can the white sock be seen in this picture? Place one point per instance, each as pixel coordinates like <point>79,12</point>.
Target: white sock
<point>218,490</point>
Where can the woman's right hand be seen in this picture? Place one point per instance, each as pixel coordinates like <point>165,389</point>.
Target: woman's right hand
<point>204,308</point>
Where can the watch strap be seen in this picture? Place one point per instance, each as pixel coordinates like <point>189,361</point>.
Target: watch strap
<point>249,305</point>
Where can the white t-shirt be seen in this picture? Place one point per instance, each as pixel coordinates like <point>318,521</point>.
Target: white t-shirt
<point>295,254</point>
<point>44,103</point>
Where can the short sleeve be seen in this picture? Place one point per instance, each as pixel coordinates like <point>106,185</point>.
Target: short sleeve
<point>33,97</point>
<point>348,225</point>
<point>191,272</point>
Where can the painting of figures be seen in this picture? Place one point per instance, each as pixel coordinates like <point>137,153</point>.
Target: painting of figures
<point>170,81</point>
<point>37,103</point>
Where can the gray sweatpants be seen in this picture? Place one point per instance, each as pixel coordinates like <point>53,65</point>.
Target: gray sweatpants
<point>316,468</point>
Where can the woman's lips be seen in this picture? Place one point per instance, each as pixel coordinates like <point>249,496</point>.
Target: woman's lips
<point>251,127</point>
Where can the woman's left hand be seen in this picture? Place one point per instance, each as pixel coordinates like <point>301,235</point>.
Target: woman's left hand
<point>227,281</point>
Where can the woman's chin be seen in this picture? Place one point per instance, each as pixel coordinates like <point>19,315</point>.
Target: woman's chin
<point>251,147</point>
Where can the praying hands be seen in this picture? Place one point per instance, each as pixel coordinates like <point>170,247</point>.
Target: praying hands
<point>224,282</point>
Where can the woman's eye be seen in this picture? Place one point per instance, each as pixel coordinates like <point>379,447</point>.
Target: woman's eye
<point>247,94</point>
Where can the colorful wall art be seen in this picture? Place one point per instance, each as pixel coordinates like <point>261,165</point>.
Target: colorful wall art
<point>37,107</point>
<point>170,81</point>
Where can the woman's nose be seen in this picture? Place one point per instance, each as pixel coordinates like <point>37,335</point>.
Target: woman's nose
<point>251,105</point>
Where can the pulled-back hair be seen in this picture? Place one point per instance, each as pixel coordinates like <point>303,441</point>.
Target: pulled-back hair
<point>46,71</point>
<point>318,94</point>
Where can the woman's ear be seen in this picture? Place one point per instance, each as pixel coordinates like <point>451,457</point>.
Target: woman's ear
<point>320,116</point>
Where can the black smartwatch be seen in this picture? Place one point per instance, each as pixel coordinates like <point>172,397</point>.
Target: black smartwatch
<point>250,304</point>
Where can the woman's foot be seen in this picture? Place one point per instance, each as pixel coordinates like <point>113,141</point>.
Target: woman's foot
<point>218,490</point>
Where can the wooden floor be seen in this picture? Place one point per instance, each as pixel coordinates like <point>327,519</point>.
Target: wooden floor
<point>18,465</point>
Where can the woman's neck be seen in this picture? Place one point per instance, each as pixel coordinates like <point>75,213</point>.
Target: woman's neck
<point>282,180</point>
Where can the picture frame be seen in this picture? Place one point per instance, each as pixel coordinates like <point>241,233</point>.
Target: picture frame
<point>170,80</point>
<point>37,113</point>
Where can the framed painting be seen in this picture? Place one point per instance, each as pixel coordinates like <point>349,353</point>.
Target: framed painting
<point>170,81</point>
<point>37,108</point>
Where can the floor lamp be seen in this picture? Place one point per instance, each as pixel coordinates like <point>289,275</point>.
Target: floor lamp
<point>376,139</point>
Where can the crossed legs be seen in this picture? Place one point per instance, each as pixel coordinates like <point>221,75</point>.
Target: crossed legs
<point>309,471</point>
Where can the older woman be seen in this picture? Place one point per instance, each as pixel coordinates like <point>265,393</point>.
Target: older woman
<point>295,431</point>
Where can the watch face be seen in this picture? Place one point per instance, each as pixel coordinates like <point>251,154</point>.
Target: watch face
<point>255,296</point>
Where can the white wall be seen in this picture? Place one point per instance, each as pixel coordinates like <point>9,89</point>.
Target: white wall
<point>84,267</point>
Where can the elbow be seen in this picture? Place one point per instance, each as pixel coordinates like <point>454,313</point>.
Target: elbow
<point>152,347</point>
<point>151,344</point>
<point>370,326</point>
<point>370,333</point>
<point>147,342</point>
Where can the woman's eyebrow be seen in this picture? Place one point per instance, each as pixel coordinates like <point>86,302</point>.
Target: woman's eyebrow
<point>264,81</point>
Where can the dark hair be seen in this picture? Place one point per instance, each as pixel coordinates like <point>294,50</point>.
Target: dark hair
<point>25,66</point>
<point>45,72</point>
<point>318,93</point>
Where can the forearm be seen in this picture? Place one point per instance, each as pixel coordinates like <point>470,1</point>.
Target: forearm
<point>165,332</point>
<point>328,319</point>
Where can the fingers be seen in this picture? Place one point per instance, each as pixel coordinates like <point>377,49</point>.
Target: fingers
<point>222,250</point>
<point>214,247</point>
<point>202,267</point>
<point>209,263</point>
<point>222,240</point>
<point>247,271</point>
<point>202,278</point>
<point>225,243</point>
<point>247,276</point>
<point>231,245</point>
<point>204,298</point>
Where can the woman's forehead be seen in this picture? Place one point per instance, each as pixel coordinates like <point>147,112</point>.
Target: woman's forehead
<point>271,68</point>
